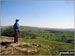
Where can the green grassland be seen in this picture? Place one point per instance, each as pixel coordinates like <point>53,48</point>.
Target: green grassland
<point>50,41</point>
<point>53,46</point>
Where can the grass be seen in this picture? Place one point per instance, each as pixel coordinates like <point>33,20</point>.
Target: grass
<point>45,47</point>
<point>46,41</point>
<point>54,46</point>
<point>24,46</point>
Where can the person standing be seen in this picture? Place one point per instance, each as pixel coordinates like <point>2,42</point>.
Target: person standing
<point>16,29</point>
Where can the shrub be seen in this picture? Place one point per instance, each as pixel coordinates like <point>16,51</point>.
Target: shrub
<point>8,31</point>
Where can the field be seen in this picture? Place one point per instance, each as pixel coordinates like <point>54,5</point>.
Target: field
<point>42,41</point>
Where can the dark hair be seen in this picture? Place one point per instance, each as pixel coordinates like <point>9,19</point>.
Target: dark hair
<point>17,20</point>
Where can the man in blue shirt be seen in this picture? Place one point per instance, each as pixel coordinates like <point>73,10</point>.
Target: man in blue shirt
<point>16,29</point>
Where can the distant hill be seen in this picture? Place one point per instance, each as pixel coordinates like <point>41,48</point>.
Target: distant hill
<point>4,27</point>
<point>39,29</point>
<point>35,32</point>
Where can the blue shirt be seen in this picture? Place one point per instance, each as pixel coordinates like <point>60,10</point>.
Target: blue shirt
<point>16,26</point>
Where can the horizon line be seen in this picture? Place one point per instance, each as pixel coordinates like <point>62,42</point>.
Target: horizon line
<point>42,27</point>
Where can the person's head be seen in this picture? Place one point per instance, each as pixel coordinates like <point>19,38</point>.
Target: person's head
<point>17,20</point>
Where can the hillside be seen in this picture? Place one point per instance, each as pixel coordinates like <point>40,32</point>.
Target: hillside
<point>32,46</point>
<point>35,40</point>
<point>20,48</point>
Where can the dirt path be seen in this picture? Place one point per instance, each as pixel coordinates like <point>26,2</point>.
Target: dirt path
<point>9,47</point>
<point>6,39</point>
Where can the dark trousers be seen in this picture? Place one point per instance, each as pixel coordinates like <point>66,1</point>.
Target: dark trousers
<point>16,36</point>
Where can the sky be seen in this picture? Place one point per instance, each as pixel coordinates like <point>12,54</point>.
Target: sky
<point>47,14</point>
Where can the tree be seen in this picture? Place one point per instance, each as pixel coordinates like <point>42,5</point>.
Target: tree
<point>8,32</point>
